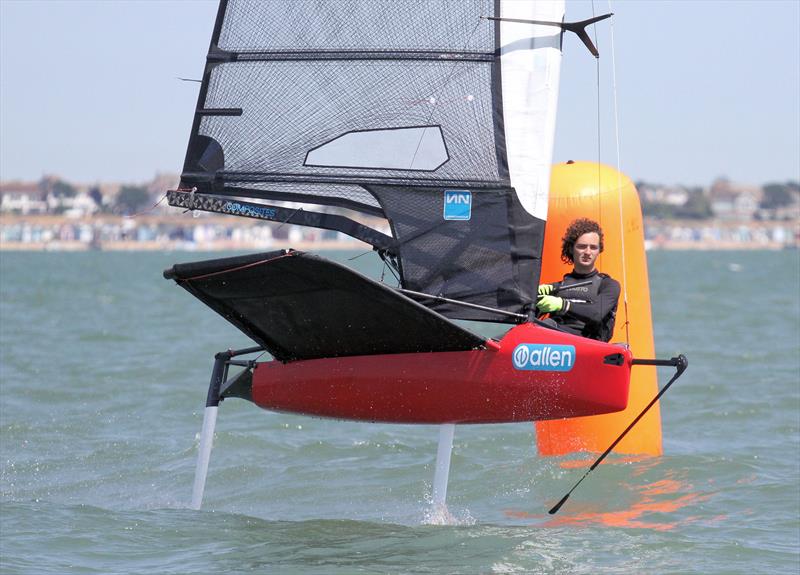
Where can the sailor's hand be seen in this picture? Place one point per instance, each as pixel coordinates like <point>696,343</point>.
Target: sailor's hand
<point>549,304</point>
<point>545,289</point>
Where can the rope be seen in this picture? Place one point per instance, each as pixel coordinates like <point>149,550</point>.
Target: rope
<point>236,269</point>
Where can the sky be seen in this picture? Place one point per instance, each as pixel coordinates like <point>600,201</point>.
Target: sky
<point>90,89</point>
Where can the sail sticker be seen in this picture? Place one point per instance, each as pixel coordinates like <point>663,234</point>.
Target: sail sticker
<point>541,357</point>
<point>252,211</point>
<point>457,205</point>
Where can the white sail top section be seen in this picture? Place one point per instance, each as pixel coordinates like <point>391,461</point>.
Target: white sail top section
<point>531,66</point>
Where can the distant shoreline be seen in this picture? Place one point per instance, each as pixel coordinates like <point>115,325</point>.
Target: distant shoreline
<point>221,246</point>
<point>324,246</point>
<point>136,246</point>
<point>152,232</point>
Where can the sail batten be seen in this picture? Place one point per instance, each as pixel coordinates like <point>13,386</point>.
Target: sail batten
<point>256,177</point>
<point>352,55</point>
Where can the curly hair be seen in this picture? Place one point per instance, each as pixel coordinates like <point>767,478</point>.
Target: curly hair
<point>575,230</point>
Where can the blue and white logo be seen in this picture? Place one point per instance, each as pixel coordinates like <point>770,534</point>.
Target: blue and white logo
<point>251,211</point>
<point>457,204</point>
<point>543,357</point>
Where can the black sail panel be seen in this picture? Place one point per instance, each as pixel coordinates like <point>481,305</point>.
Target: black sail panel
<point>476,259</point>
<point>397,109</point>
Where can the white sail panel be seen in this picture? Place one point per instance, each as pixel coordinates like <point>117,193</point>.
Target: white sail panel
<point>531,66</point>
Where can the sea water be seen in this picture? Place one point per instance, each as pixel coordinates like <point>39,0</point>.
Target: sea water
<point>104,368</point>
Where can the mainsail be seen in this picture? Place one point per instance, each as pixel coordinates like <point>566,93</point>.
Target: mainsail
<point>427,114</point>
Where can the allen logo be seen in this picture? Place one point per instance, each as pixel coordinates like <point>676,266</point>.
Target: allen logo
<point>540,357</point>
<point>457,204</point>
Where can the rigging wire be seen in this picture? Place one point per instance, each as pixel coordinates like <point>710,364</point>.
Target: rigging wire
<point>300,209</point>
<point>259,356</point>
<point>626,324</point>
<point>147,211</point>
<point>599,133</point>
<point>390,265</point>
<point>359,255</point>
<point>619,180</point>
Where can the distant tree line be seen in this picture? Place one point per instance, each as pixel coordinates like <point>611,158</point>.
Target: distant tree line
<point>699,202</point>
<point>696,207</point>
<point>779,195</point>
<point>129,200</point>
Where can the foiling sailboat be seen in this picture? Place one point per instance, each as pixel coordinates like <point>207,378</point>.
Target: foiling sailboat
<point>437,119</point>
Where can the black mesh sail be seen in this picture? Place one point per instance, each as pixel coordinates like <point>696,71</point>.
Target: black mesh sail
<point>392,108</point>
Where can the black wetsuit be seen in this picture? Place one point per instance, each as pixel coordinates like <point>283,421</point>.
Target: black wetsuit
<point>589,311</point>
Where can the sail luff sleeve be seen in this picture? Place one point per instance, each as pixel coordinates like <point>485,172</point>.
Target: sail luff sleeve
<point>531,64</point>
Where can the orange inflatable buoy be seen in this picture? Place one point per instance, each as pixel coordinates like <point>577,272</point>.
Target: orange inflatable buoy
<point>601,193</point>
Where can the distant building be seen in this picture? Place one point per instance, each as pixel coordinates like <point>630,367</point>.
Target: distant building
<point>78,206</point>
<point>734,202</point>
<point>24,198</point>
<point>669,195</point>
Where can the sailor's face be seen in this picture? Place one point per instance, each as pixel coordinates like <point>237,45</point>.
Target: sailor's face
<point>585,252</point>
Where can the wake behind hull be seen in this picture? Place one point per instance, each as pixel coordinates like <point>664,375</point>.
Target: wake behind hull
<point>476,386</point>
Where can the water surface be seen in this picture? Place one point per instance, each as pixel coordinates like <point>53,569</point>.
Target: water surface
<point>104,368</point>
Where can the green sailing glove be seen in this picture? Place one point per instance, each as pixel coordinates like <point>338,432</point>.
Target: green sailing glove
<point>550,304</point>
<point>545,289</point>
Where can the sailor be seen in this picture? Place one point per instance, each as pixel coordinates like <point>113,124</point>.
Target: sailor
<point>588,310</point>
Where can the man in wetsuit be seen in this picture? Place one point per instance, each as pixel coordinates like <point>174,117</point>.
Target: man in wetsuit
<point>588,310</point>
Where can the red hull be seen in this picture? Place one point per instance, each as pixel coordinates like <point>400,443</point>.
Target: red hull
<point>481,386</point>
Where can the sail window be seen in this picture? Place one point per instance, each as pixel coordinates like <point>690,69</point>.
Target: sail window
<point>419,148</point>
